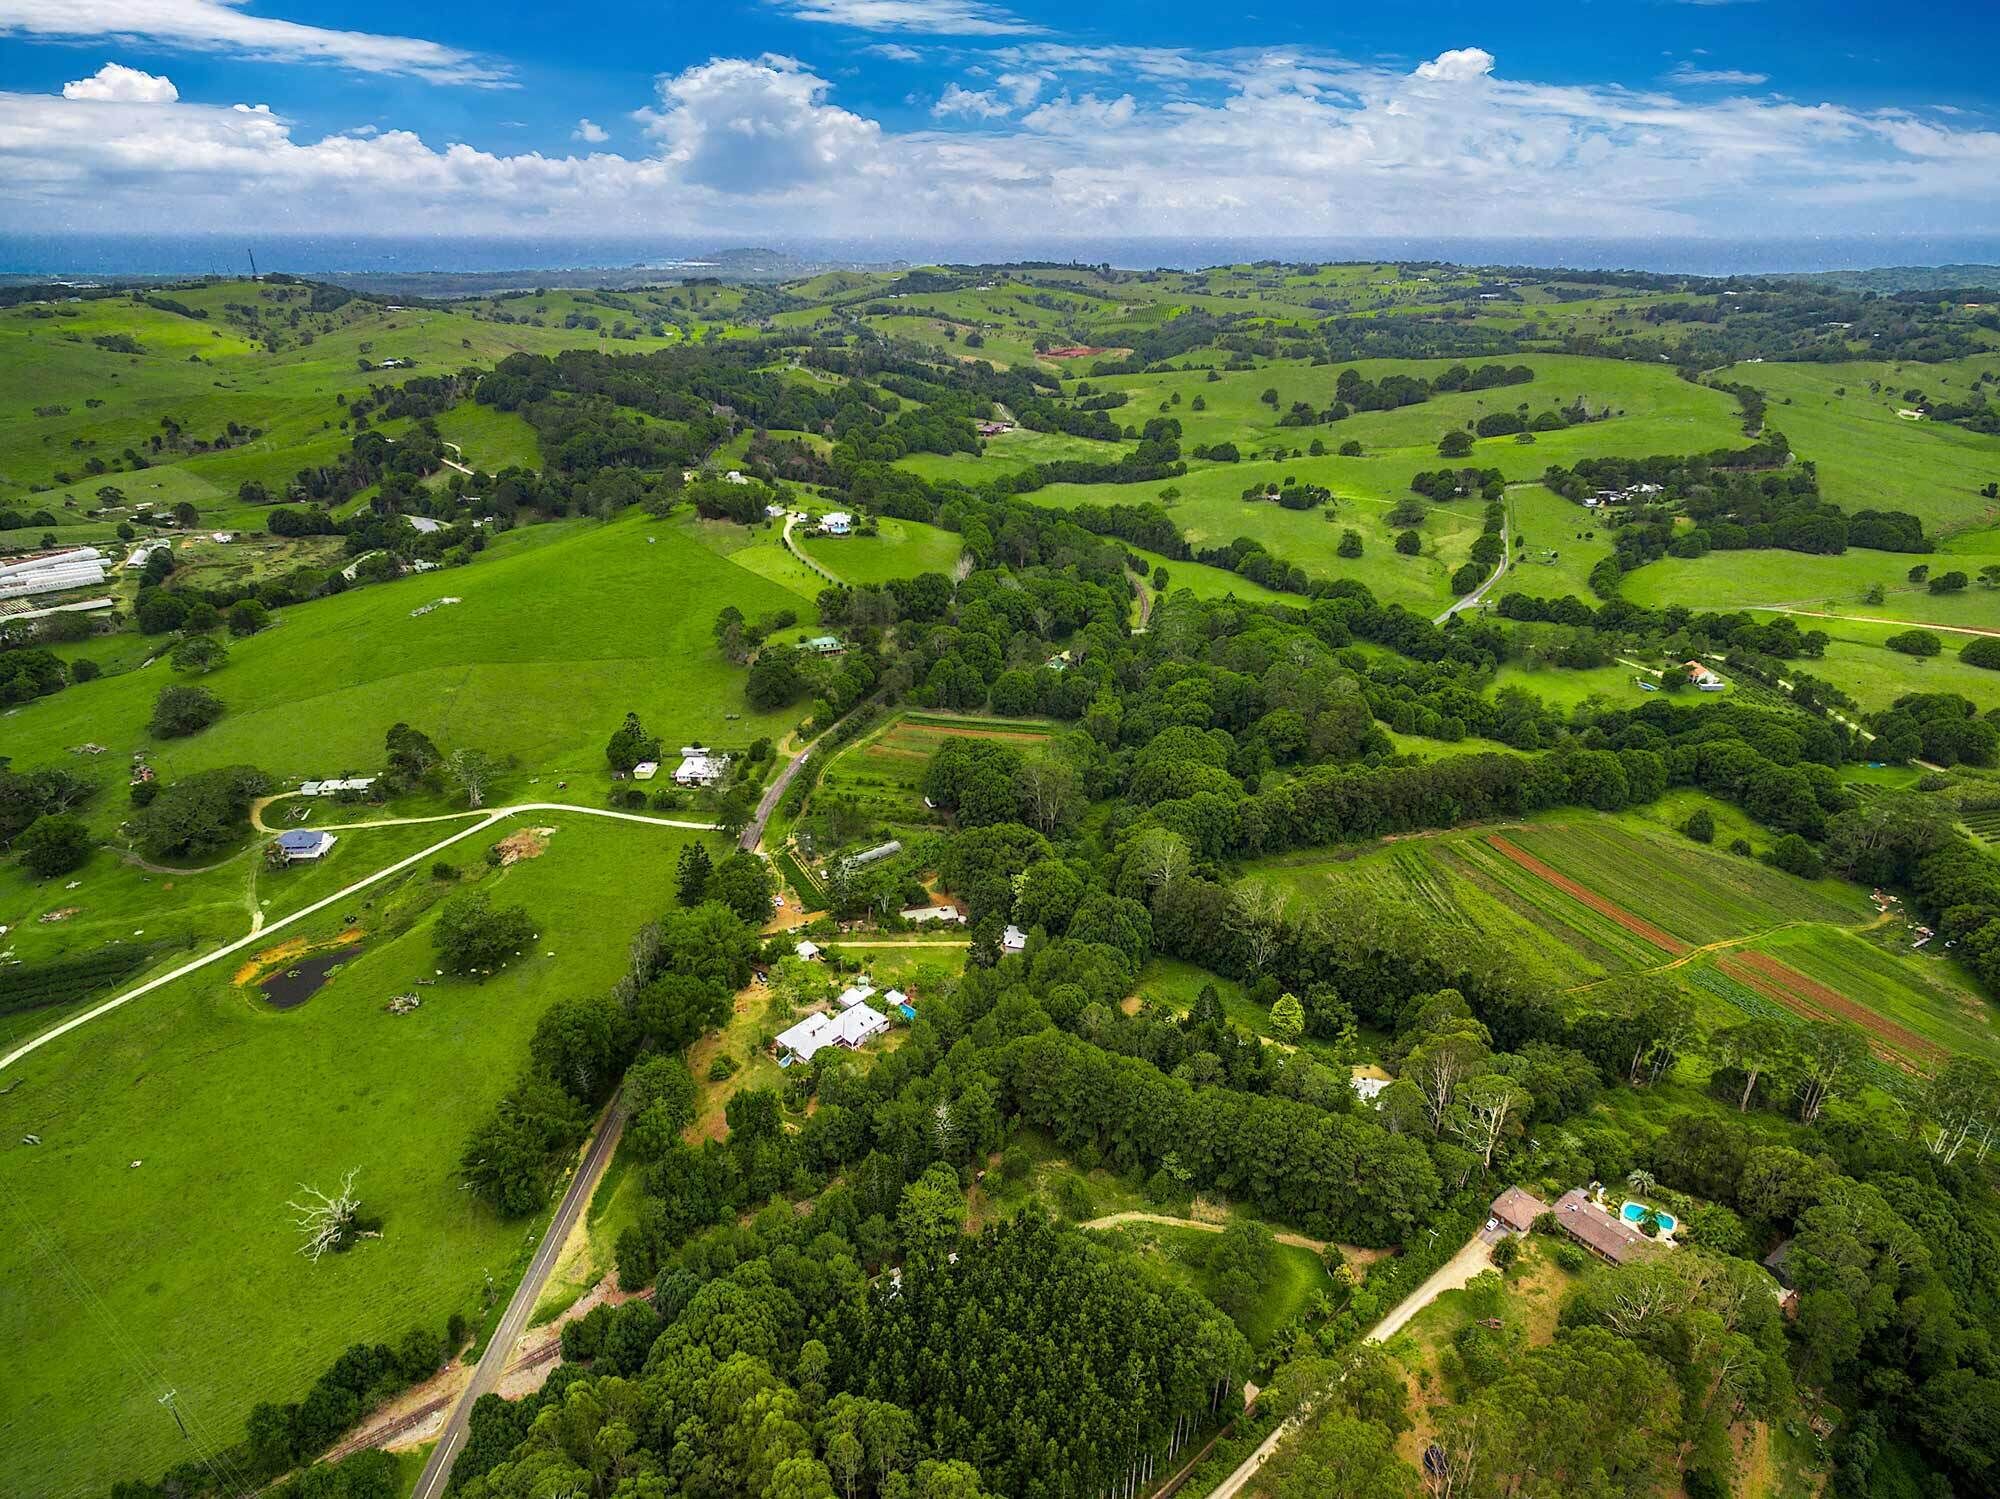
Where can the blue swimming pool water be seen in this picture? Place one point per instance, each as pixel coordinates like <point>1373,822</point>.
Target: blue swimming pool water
<point>1632,1212</point>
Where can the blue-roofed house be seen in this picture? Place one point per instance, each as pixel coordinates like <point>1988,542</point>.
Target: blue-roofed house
<point>304,844</point>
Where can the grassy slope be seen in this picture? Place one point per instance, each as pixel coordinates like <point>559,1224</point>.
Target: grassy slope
<point>182,1272</point>
<point>900,549</point>
<point>561,629</point>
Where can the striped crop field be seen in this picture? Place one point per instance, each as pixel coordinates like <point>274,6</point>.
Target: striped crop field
<point>1914,1008</point>
<point>1695,894</point>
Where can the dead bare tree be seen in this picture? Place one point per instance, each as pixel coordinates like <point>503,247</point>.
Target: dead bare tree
<point>328,1222</point>
<point>1258,915</point>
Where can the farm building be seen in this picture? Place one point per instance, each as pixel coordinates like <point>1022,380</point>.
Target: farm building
<point>825,645</point>
<point>1703,678</point>
<point>924,915</point>
<point>302,845</point>
<point>873,855</point>
<point>818,1031</point>
<point>1518,1209</point>
<point>334,788</point>
<point>854,994</point>
<point>807,950</point>
<point>774,511</point>
<point>700,768</point>
<point>734,476</point>
<point>1604,1235</point>
<point>52,572</point>
<point>993,429</point>
<point>1013,939</point>
<point>645,770</point>
<point>836,523</point>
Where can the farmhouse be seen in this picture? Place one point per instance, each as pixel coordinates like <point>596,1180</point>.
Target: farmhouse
<point>807,950</point>
<point>836,523</point>
<point>1598,1231</point>
<point>993,429</point>
<point>1703,678</point>
<point>825,645</point>
<point>645,770</point>
<point>699,767</point>
<point>1518,1209</point>
<point>334,788</point>
<point>818,1031</point>
<point>424,524</point>
<point>301,845</point>
<point>924,915</point>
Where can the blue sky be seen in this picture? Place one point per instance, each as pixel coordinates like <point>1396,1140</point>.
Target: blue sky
<point>991,117</point>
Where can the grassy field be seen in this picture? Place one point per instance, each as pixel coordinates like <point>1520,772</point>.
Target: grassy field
<point>148,1246</point>
<point>1564,542</point>
<point>1870,458</point>
<point>1295,1274</point>
<point>559,631</point>
<point>64,400</point>
<point>1792,581</point>
<point>900,549</point>
<point>881,774</point>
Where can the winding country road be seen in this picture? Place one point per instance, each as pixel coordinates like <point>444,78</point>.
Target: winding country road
<point>257,933</point>
<point>513,1322</point>
<point>1472,599</point>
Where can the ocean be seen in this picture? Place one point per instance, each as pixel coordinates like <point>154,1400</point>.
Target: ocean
<point>181,255</point>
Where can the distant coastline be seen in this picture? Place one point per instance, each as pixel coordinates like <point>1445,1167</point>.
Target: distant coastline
<point>778,257</point>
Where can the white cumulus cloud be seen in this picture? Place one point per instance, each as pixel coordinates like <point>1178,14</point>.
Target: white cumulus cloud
<point>115,81</point>
<point>590,131</point>
<point>1459,65</point>
<point>928,17</point>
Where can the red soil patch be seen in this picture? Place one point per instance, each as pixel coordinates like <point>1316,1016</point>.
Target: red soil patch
<point>1078,351</point>
<point>1815,1001</point>
<point>1611,910</point>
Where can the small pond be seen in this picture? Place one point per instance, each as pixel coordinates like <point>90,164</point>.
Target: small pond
<point>294,984</point>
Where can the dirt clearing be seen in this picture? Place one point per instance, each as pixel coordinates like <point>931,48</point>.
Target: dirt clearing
<point>529,843</point>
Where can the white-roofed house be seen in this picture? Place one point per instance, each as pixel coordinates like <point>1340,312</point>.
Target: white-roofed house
<point>1013,939</point>
<point>700,767</point>
<point>836,523</point>
<point>808,950</point>
<point>854,994</point>
<point>645,770</point>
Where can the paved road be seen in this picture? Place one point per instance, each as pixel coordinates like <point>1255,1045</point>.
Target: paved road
<point>1472,599</point>
<point>1475,1256</point>
<point>514,1321</point>
<point>484,820</point>
<point>753,832</point>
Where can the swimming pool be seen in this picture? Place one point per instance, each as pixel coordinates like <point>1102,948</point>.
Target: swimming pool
<point>1632,1212</point>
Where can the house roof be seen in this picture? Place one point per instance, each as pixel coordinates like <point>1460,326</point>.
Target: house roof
<point>303,840</point>
<point>1587,1223</point>
<point>807,949</point>
<point>1518,1209</point>
<point>1014,939</point>
<point>854,994</point>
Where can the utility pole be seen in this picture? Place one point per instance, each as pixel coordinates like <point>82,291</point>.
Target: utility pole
<point>168,1401</point>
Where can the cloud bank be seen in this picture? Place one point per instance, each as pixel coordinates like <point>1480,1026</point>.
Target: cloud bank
<point>1095,141</point>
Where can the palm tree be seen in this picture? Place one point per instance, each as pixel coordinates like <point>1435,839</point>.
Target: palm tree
<point>1640,1180</point>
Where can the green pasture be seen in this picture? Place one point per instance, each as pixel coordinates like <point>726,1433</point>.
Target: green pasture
<point>1295,1274</point>
<point>148,1243</point>
<point>880,776</point>
<point>1869,458</point>
<point>1792,582</point>
<point>899,549</point>
<point>1564,542</point>
<point>560,630</point>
